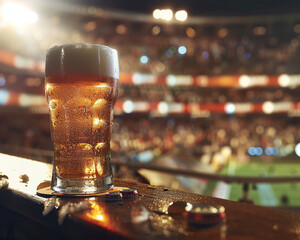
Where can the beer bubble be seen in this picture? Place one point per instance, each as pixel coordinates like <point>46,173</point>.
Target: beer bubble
<point>99,146</point>
<point>99,103</point>
<point>49,89</point>
<point>102,90</point>
<point>99,168</point>
<point>90,167</point>
<point>53,104</point>
<point>102,148</point>
<point>98,123</point>
<point>84,146</point>
<point>102,108</point>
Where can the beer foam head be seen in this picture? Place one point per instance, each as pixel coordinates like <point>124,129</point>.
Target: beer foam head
<point>82,59</point>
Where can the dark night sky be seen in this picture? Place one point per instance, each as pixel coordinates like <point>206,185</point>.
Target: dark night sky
<point>201,7</point>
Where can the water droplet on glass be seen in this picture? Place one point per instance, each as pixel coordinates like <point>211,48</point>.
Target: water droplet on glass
<point>53,104</point>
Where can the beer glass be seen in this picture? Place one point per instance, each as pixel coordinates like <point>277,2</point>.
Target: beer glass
<point>81,85</point>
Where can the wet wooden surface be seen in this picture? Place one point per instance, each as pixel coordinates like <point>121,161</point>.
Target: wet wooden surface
<point>144,217</point>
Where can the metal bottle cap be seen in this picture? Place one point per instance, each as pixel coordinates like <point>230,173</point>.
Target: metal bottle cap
<point>113,197</point>
<point>129,193</point>
<point>205,214</point>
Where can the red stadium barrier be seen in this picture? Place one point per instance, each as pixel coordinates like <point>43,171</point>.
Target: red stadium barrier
<point>242,81</point>
<point>9,98</point>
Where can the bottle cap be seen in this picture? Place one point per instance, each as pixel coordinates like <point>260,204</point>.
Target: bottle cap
<point>113,196</point>
<point>205,214</point>
<point>129,193</point>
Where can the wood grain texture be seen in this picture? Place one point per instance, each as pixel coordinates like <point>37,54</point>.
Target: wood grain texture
<point>120,220</point>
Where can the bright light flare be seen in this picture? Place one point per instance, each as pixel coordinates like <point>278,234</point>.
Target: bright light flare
<point>284,80</point>
<point>164,14</point>
<point>297,149</point>
<point>245,81</point>
<point>163,108</point>
<point>268,107</point>
<point>144,59</point>
<point>18,14</point>
<point>182,50</point>
<point>128,106</point>
<point>229,108</point>
<point>156,13</point>
<point>181,15</point>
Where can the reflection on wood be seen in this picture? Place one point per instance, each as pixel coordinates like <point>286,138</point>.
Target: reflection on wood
<point>143,217</point>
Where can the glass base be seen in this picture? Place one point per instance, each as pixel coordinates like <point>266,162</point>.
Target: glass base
<point>88,186</point>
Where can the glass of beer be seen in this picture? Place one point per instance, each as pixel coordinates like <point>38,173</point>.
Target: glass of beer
<point>81,86</point>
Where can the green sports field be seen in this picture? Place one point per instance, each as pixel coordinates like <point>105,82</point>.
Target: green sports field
<point>282,194</point>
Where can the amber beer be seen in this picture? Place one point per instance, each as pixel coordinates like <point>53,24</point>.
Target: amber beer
<point>81,88</point>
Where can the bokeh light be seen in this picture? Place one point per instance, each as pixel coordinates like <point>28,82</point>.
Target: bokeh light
<point>297,149</point>
<point>222,32</point>
<point>244,81</point>
<point>163,108</point>
<point>190,32</point>
<point>229,108</point>
<point>90,26</point>
<point>3,96</point>
<point>163,14</point>
<point>128,106</point>
<point>268,107</point>
<point>156,30</point>
<point>269,151</point>
<point>121,29</point>
<point>144,59</point>
<point>259,30</point>
<point>181,15</point>
<point>17,14</point>
<point>2,81</point>
<point>252,151</point>
<point>284,80</point>
<point>182,50</point>
<point>258,151</point>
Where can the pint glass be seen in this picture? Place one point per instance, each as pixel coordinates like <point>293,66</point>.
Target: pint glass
<point>81,87</point>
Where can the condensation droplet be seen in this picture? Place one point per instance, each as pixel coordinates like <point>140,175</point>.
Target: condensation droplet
<point>99,146</point>
<point>53,104</point>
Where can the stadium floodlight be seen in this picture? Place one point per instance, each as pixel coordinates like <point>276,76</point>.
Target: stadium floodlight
<point>156,13</point>
<point>181,15</point>
<point>164,14</point>
<point>17,14</point>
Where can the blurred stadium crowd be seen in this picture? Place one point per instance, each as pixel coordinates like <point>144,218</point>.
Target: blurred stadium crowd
<point>247,48</point>
<point>210,140</point>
